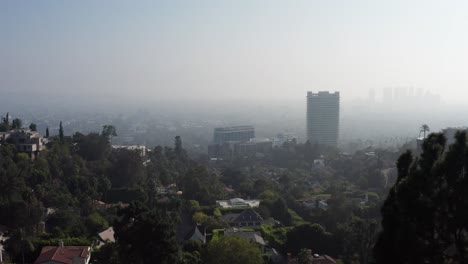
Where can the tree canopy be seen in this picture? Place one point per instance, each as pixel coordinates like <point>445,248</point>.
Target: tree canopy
<point>233,250</point>
<point>424,215</point>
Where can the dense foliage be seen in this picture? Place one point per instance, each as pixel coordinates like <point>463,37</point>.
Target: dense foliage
<point>55,197</point>
<point>82,185</point>
<point>424,216</point>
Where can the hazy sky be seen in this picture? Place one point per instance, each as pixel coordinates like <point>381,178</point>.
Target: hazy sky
<point>242,49</point>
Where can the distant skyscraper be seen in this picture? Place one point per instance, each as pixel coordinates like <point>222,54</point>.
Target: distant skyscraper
<point>323,117</point>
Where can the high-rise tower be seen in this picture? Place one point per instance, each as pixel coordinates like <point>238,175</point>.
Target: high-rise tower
<point>323,118</point>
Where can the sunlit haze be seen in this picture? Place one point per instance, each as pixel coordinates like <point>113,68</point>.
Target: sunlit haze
<point>222,50</point>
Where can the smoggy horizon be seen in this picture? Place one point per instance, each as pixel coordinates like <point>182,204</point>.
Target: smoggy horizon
<point>243,50</point>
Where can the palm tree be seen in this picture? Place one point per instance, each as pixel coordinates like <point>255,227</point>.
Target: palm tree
<point>424,128</point>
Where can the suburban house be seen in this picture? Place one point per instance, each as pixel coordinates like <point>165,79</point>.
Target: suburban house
<point>106,236</point>
<point>64,255</point>
<point>25,140</point>
<point>247,218</point>
<point>238,203</point>
<point>255,237</point>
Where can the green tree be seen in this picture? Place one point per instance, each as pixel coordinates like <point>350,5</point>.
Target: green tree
<point>47,132</point>
<point>108,131</point>
<point>201,185</point>
<point>279,211</point>
<point>424,217</point>
<point>179,151</point>
<point>127,168</point>
<point>233,250</point>
<point>17,123</point>
<point>61,134</point>
<point>178,145</point>
<point>95,222</point>
<point>33,127</point>
<point>5,124</point>
<point>304,256</point>
<point>357,237</point>
<point>199,218</point>
<point>108,253</point>
<point>6,119</point>
<point>424,129</point>
<point>146,235</point>
<point>91,147</point>
<point>20,247</point>
<point>308,236</point>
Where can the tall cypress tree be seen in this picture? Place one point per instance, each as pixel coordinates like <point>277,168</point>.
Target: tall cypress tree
<point>61,136</point>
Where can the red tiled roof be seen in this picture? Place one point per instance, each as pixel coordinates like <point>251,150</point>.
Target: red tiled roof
<point>64,254</point>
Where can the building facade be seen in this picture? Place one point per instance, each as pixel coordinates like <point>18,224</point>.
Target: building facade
<point>237,133</point>
<point>323,118</point>
<point>25,140</point>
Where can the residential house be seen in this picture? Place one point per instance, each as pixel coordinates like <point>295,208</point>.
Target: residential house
<point>64,255</point>
<point>247,218</point>
<point>238,203</point>
<point>25,140</point>
<point>255,237</point>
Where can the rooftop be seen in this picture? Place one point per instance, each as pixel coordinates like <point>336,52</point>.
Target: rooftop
<point>323,94</point>
<point>107,235</point>
<point>62,254</point>
<point>234,128</point>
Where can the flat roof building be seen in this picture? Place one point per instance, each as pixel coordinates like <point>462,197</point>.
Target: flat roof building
<point>236,133</point>
<point>323,117</point>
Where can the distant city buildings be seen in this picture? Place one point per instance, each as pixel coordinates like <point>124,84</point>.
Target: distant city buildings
<point>236,133</point>
<point>237,141</point>
<point>392,95</point>
<point>281,139</point>
<point>323,117</point>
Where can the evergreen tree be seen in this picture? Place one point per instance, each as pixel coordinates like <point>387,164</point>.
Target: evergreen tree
<point>146,235</point>
<point>47,132</point>
<point>5,124</point>
<point>424,216</point>
<point>178,150</point>
<point>16,123</point>
<point>33,127</point>
<point>234,250</point>
<point>108,132</point>
<point>61,135</point>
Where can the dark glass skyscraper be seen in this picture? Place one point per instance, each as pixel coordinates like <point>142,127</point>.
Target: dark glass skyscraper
<point>323,118</point>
